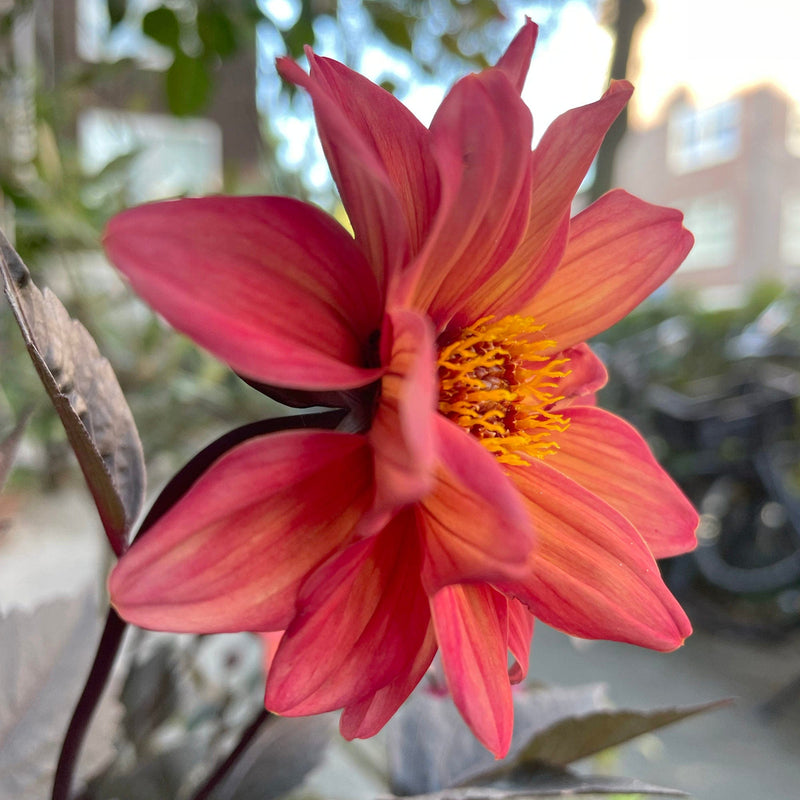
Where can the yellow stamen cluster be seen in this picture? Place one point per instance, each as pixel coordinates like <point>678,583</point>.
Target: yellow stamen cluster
<point>497,381</point>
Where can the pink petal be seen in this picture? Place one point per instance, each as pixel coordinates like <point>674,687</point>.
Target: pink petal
<point>516,61</point>
<point>361,620</point>
<point>366,189</point>
<point>399,141</point>
<point>365,718</point>
<point>474,523</point>
<point>402,429</point>
<point>520,634</point>
<point>609,458</point>
<point>233,551</point>
<point>274,287</point>
<point>559,164</point>
<point>620,250</point>
<point>591,574</point>
<point>481,138</point>
<point>587,375</point>
<point>471,627</point>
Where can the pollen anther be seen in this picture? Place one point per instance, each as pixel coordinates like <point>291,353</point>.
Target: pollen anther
<point>498,380</point>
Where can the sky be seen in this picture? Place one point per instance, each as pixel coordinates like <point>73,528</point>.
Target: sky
<point>705,45</point>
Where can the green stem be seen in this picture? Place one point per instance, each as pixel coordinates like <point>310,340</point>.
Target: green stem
<point>84,710</point>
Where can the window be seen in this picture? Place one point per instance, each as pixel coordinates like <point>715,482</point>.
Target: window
<point>701,138</point>
<point>712,220</point>
<point>790,230</point>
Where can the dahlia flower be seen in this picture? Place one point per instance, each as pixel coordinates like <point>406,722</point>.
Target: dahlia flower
<point>475,485</point>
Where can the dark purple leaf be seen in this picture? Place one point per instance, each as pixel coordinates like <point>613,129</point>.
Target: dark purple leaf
<point>86,395</point>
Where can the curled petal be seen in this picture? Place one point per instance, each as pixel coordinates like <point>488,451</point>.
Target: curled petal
<point>474,524</point>
<point>402,429</point>
<point>274,287</point>
<point>586,375</point>
<point>361,620</point>
<point>232,553</point>
<point>620,250</point>
<point>520,634</point>
<point>399,141</point>
<point>481,138</point>
<point>472,631</point>
<point>367,192</point>
<point>591,574</point>
<point>366,717</point>
<point>609,458</point>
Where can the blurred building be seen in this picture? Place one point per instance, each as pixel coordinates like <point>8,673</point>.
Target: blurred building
<point>734,170</point>
<point>125,111</point>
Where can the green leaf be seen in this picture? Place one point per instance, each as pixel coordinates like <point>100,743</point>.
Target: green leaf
<point>217,32</point>
<point>395,25</point>
<point>188,85</point>
<point>116,11</point>
<point>162,25</point>
<point>85,392</point>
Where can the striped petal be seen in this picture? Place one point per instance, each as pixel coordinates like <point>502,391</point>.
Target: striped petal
<point>605,455</point>
<point>472,631</point>
<point>274,287</point>
<point>233,551</point>
<point>620,250</point>
<point>591,574</point>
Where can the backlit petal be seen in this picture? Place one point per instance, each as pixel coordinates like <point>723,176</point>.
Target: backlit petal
<point>474,523</point>
<point>361,620</point>
<point>620,250</point>
<point>559,164</point>
<point>472,631</point>
<point>274,287</point>
<point>586,375</point>
<point>365,187</point>
<point>516,61</point>
<point>481,139</point>
<point>609,458</point>
<point>591,574</point>
<point>399,141</point>
<point>232,553</point>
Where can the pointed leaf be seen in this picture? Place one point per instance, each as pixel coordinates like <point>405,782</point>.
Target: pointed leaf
<point>85,392</point>
<point>574,738</point>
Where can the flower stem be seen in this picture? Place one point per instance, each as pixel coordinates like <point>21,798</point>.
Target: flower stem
<point>222,770</point>
<point>84,710</point>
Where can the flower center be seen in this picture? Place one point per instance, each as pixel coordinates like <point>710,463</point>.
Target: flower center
<point>496,382</point>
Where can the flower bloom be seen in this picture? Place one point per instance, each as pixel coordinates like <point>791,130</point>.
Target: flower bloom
<point>477,485</point>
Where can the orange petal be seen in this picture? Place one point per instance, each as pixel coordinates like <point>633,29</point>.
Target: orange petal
<point>591,574</point>
<point>605,455</point>
<point>274,287</point>
<point>586,375</point>
<point>474,524</point>
<point>472,631</point>
<point>481,138</point>
<point>558,166</point>
<point>620,250</point>
<point>233,551</point>
<point>361,620</point>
